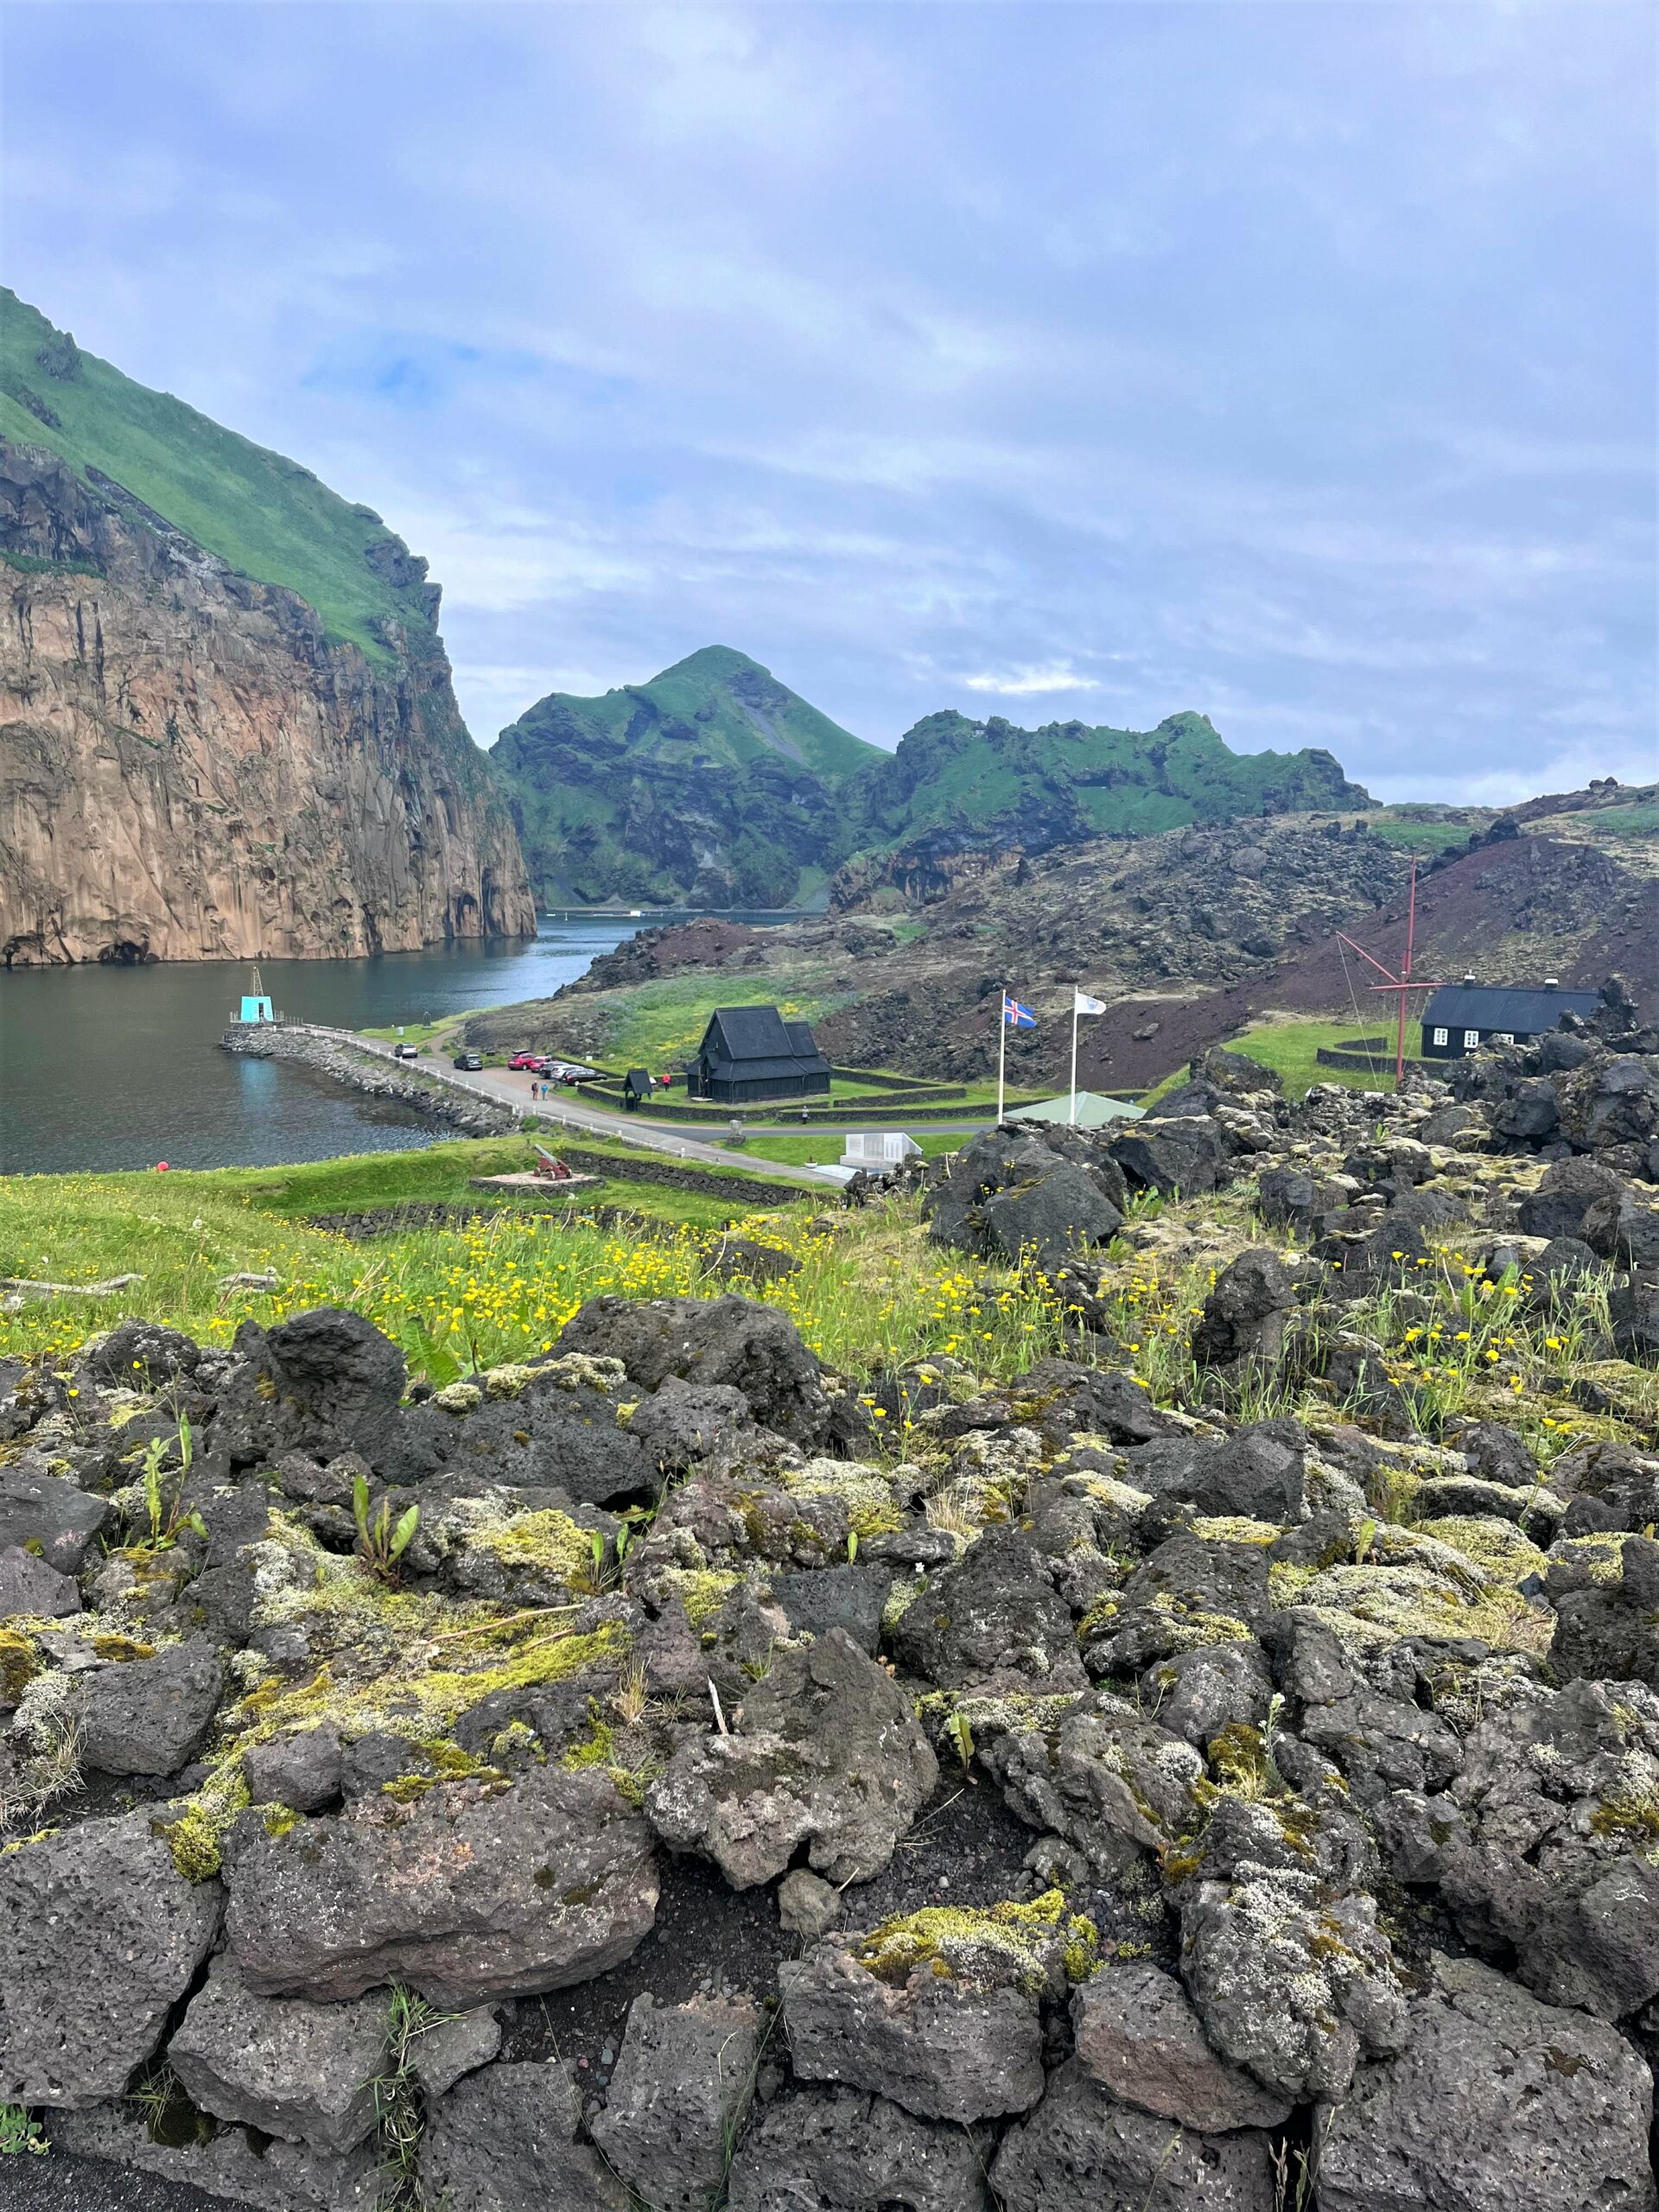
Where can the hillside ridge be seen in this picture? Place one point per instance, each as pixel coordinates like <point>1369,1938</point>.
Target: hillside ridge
<point>230,682</point>
<point>715,785</point>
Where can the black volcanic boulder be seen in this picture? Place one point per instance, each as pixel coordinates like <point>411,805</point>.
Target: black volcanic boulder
<point>1540,1841</point>
<point>1527,1110</point>
<point>1245,1314</point>
<point>1613,1101</point>
<point>147,1716</point>
<point>336,1365</point>
<point>304,2071</point>
<point>1495,2102</point>
<point>1286,1197</point>
<point>1052,1220</point>
<point>1011,1193</point>
<point>1633,1309</point>
<point>27,1585</point>
<point>48,1517</point>
<point>1291,1978</point>
<point>991,1621</point>
<point>845,2150</point>
<point>1138,2037</point>
<point>1566,1193</point>
<point>939,2012</point>
<point>1624,1230</point>
<point>466,1895</point>
<point>142,1356</point>
<point>1258,1471</point>
<point>826,1756</point>
<point>561,1424</point>
<point>735,1342</point>
<point>1185,1153</point>
<point>323,1382</point>
<point>100,1936</point>
<point>1082,2147</point>
<point>504,2140</point>
<point>1061,1400</point>
<point>676,2099</point>
<point>1611,1634</point>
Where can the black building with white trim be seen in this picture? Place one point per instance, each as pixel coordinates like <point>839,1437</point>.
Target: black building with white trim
<point>749,1054</point>
<point>1462,1017</point>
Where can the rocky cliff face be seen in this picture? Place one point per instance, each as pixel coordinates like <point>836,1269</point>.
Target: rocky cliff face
<point>191,769</point>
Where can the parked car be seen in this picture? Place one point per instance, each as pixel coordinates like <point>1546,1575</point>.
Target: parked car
<point>407,1052</point>
<point>469,1063</point>
<point>533,1061</point>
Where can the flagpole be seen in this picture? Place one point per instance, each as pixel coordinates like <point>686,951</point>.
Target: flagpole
<point>1001,1053</point>
<point>1074,1056</point>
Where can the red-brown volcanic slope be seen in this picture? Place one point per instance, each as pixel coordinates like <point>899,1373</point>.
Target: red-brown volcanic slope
<point>1509,912</point>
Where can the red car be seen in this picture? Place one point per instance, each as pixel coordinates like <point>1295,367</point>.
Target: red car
<point>522,1060</point>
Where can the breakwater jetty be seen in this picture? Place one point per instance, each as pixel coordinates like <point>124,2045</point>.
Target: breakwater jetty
<point>373,1068</point>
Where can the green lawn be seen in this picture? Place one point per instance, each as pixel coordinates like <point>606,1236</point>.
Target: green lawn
<point>421,1033</point>
<point>1423,837</point>
<point>1641,820</point>
<point>656,1025</point>
<point>1288,1048</point>
<point>362,1182</point>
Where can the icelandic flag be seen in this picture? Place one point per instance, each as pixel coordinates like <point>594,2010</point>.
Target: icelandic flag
<point>1082,1003</point>
<point>1017,1016</point>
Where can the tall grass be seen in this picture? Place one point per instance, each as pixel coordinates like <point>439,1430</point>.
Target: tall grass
<point>869,1294</point>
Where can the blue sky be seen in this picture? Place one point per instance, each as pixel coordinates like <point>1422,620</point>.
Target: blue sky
<point>1293,362</point>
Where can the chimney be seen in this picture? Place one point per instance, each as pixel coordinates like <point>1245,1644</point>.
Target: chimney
<point>1468,982</point>
<point>1551,982</point>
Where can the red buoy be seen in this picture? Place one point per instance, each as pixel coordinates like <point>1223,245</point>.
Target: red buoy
<point>161,1167</point>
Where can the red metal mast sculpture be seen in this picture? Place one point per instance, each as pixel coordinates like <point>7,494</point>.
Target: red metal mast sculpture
<point>1401,984</point>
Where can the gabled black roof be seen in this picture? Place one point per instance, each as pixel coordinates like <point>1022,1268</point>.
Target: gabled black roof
<point>748,1033</point>
<point>757,1043</point>
<point>1524,1008</point>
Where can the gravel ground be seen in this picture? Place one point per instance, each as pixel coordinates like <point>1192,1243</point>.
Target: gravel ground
<point>56,2185</point>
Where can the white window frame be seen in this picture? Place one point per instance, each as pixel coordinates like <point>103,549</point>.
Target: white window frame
<point>1470,1039</point>
<point>1441,1036</point>
<point>1503,1036</point>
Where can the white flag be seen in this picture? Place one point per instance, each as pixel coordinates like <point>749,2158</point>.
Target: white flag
<point>1082,1003</point>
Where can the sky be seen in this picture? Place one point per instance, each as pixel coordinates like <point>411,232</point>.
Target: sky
<point>1291,363</point>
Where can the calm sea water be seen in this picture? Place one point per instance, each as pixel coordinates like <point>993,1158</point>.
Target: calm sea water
<point>121,1067</point>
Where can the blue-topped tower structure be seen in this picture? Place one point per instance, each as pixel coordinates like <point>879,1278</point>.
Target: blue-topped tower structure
<point>256,1005</point>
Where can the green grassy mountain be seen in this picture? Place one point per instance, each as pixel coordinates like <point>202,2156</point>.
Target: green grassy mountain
<point>713,783</point>
<point>961,784</point>
<point>264,515</point>
<point>264,754</point>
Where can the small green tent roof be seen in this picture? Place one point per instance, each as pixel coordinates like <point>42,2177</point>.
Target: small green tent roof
<point>1093,1111</point>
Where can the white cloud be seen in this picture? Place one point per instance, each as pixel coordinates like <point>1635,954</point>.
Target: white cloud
<point>1030,683</point>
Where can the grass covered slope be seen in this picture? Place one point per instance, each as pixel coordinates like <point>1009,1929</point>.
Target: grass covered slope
<point>496,1289</point>
<point>263,514</point>
<point>713,783</point>
<point>716,709</point>
<point>973,783</point>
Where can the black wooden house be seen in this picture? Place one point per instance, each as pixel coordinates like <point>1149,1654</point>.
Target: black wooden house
<point>1462,1017</point>
<point>750,1053</point>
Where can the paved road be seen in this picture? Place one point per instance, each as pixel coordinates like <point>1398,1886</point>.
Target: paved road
<point>575,1113</point>
<point>651,1136</point>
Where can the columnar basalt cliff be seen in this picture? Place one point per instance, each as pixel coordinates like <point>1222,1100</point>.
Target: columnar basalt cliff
<point>190,768</point>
